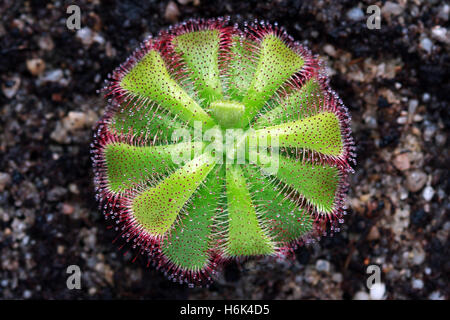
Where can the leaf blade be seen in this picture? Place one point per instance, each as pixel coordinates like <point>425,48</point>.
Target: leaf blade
<point>157,207</point>
<point>245,235</point>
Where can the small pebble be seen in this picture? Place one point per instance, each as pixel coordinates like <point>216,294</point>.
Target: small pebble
<point>440,34</point>
<point>391,8</point>
<point>56,193</point>
<point>443,12</point>
<point>5,180</point>
<point>10,87</point>
<point>329,50</point>
<point>428,193</point>
<point>361,295</point>
<point>415,180</point>
<point>99,39</point>
<point>402,120</point>
<point>86,36</point>
<point>417,284</point>
<point>426,97</point>
<point>377,291</point>
<point>36,66</point>
<point>417,118</point>
<point>60,249</point>
<point>440,139</point>
<point>337,277</point>
<point>436,295</point>
<point>355,14</point>
<point>74,120</point>
<point>67,209</point>
<point>172,12</point>
<point>430,130</point>
<point>323,265</point>
<point>46,43</point>
<point>412,106</point>
<point>403,194</point>
<point>74,188</point>
<point>374,234</point>
<point>426,45</point>
<point>27,294</point>
<point>401,162</point>
<point>418,256</point>
<point>53,75</point>
<point>59,134</point>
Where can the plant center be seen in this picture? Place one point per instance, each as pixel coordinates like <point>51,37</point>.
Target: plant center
<point>227,113</point>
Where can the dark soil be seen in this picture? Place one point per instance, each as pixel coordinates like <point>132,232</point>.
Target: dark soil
<point>393,80</point>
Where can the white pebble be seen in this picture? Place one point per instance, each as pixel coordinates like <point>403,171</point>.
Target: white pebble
<point>428,193</point>
<point>329,50</point>
<point>402,120</point>
<point>436,295</point>
<point>27,294</point>
<point>53,75</point>
<point>439,33</point>
<point>443,12</point>
<point>337,277</point>
<point>412,106</point>
<point>418,256</point>
<point>377,291</point>
<point>391,8</point>
<point>417,284</point>
<point>426,45</point>
<point>426,97</point>
<point>355,14</point>
<point>322,265</point>
<point>86,36</point>
<point>361,295</point>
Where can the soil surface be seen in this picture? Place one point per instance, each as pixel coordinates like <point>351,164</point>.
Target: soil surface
<point>394,81</point>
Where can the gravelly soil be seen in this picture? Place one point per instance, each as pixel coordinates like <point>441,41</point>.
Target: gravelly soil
<point>394,81</point>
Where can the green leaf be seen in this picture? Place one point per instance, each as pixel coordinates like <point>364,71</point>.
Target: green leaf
<point>277,63</point>
<point>200,51</point>
<point>299,104</point>
<point>286,220</point>
<point>129,166</point>
<point>320,133</point>
<point>146,121</point>
<point>246,236</point>
<point>156,208</point>
<point>227,113</point>
<point>316,183</point>
<point>189,242</point>
<point>149,79</point>
<point>241,68</point>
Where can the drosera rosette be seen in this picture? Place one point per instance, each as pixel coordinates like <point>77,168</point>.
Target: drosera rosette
<point>221,143</point>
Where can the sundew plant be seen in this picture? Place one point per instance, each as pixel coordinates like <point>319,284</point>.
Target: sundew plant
<point>221,142</point>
